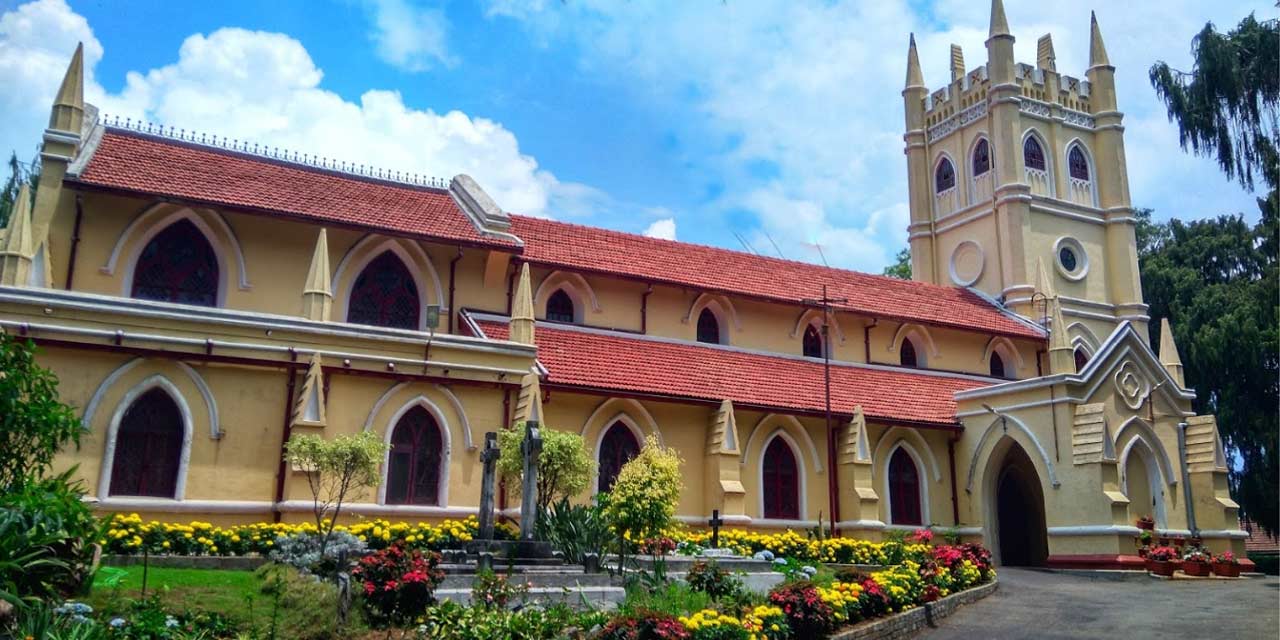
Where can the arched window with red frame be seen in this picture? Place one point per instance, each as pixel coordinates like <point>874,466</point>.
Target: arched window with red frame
<point>384,295</point>
<point>617,447</point>
<point>780,481</point>
<point>904,489</point>
<point>413,468</point>
<point>148,450</point>
<point>177,265</point>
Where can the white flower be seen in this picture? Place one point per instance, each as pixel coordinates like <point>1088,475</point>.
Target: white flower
<point>117,622</point>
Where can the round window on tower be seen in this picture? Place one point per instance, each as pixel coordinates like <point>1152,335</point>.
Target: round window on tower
<point>1071,259</point>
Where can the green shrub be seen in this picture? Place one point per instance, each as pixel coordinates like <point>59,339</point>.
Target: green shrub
<point>46,533</point>
<point>575,530</point>
<point>710,579</point>
<point>34,423</point>
<point>452,621</point>
<point>673,599</point>
<point>643,499</point>
<point>565,468</point>
<point>304,604</point>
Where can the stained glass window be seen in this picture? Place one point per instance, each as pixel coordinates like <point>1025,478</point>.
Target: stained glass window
<point>1078,164</point>
<point>617,448</point>
<point>177,265</point>
<point>148,448</point>
<point>945,176</point>
<point>1067,256</point>
<point>384,295</point>
<point>981,157</point>
<point>1033,154</point>
<point>997,366</point>
<point>781,480</point>
<point>560,307</point>
<point>904,489</point>
<point>812,342</point>
<point>413,472</point>
<point>708,327</point>
<point>907,353</point>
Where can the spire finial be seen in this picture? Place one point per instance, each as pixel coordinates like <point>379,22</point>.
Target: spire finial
<point>957,62</point>
<point>1044,284</point>
<point>915,78</point>
<point>68,104</point>
<point>522,309</point>
<point>16,251</point>
<point>1169,352</point>
<point>1097,50</point>
<point>1045,56</point>
<point>999,23</point>
<point>1062,357</point>
<point>317,295</point>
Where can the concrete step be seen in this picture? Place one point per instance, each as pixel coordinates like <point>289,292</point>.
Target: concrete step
<point>607,597</point>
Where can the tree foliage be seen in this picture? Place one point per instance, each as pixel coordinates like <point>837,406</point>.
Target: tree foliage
<point>1228,105</point>
<point>34,423</point>
<point>643,499</point>
<point>336,469</point>
<point>564,466</point>
<point>1216,281</point>
<point>901,267</point>
<point>18,174</point>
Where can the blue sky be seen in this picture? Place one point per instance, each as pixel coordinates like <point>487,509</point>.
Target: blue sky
<point>779,122</point>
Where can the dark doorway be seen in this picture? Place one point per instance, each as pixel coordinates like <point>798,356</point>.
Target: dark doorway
<point>1020,511</point>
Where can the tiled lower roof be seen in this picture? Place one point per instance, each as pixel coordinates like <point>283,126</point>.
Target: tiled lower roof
<point>612,361</point>
<point>134,162</point>
<point>591,249</point>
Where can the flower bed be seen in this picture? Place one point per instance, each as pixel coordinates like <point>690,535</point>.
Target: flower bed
<point>129,534</point>
<point>789,544</point>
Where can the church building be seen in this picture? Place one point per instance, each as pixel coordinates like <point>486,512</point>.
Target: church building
<point>202,300</point>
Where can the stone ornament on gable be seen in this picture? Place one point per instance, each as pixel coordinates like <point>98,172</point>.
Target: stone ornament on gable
<point>1132,386</point>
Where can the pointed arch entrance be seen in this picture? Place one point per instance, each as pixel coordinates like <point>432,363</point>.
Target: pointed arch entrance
<point>1015,497</point>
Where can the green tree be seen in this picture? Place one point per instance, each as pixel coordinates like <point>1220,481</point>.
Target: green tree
<point>643,499</point>
<point>18,174</point>
<point>1226,106</point>
<point>564,466</point>
<point>34,423</point>
<point>336,469</point>
<point>901,267</point>
<point>1216,281</point>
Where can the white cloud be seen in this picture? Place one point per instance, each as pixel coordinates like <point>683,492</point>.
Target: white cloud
<point>812,91</point>
<point>411,38</point>
<point>664,229</point>
<point>264,87</point>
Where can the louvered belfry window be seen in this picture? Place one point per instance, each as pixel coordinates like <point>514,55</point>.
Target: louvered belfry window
<point>148,448</point>
<point>385,295</point>
<point>177,265</point>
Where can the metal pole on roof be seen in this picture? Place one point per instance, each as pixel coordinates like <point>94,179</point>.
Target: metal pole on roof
<point>833,499</point>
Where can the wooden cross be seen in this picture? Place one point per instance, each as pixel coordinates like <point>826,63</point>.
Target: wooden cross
<point>715,522</point>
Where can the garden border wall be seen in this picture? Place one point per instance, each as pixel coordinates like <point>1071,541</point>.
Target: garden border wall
<point>905,624</point>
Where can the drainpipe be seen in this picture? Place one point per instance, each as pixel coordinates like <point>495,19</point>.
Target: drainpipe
<point>287,430</point>
<point>75,242</point>
<point>511,284</point>
<point>951,458</point>
<point>1039,363</point>
<point>644,310</point>
<point>502,485</point>
<point>453,269</point>
<point>1186,480</point>
<point>866,338</point>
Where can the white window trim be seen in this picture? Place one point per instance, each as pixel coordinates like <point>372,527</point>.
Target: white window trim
<point>446,450</point>
<point>154,381</point>
<point>153,230</point>
<point>631,425</point>
<point>414,259</point>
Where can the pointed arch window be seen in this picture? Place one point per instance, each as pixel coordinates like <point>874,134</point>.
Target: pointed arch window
<point>708,327</point>
<point>148,448</point>
<point>177,265</point>
<point>944,177</point>
<point>384,295</point>
<point>413,466</point>
<point>1033,154</point>
<point>617,447</point>
<point>981,157</point>
<point>997,365</point>
<point>904,489</point>
<point>780,481</point>
<point>813,347</point>
<point>1082,359</point>
<point>907,354</point>
<point>1078,164</point>
<point>560,307</point>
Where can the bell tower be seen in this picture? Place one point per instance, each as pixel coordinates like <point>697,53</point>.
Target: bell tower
<point>1010,165</point>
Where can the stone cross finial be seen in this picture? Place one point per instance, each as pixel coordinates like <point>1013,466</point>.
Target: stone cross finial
<point>489,458</point>
<point>715,523</point>
<point>531,448</point>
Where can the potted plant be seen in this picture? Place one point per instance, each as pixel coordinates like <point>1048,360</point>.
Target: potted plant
<point>1162,560</point>
<point>1146,538</point>
<point>1196,562</point>
<point>1144,550</point>
<point>1226,565</point>
<point>1146,523</point>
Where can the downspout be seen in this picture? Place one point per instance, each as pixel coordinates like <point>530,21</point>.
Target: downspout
<point>502,485</point>
<point>1039,363</point>
<point>75,242</point>
<point>453,268</point>
<point>644,310</point>
<point>511,284</point>
<point>285,433</point>
<point>951,458</point>
<point>866,338</point>
<point>1186,480</point>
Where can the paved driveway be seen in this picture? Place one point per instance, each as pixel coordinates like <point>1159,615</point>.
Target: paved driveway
<point>1040,604</point>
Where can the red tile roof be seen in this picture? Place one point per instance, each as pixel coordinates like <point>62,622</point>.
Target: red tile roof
<point>574,246</point>
<point>621,363</point>
<point>139,163</point>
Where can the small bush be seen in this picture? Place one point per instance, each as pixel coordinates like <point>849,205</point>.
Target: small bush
<point>496,591</point>
<point>311,604</point>
<point>397,585</point>
<point>710,579</point>
<point>807,614</point>
<point>302,551</point>
<point>575,530</point>
<point>644,625</point>
<point>709,624</point>
<point>46,537</point>
<point>672,599</point>
<point>452,621</point>
<point>643,499</point>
